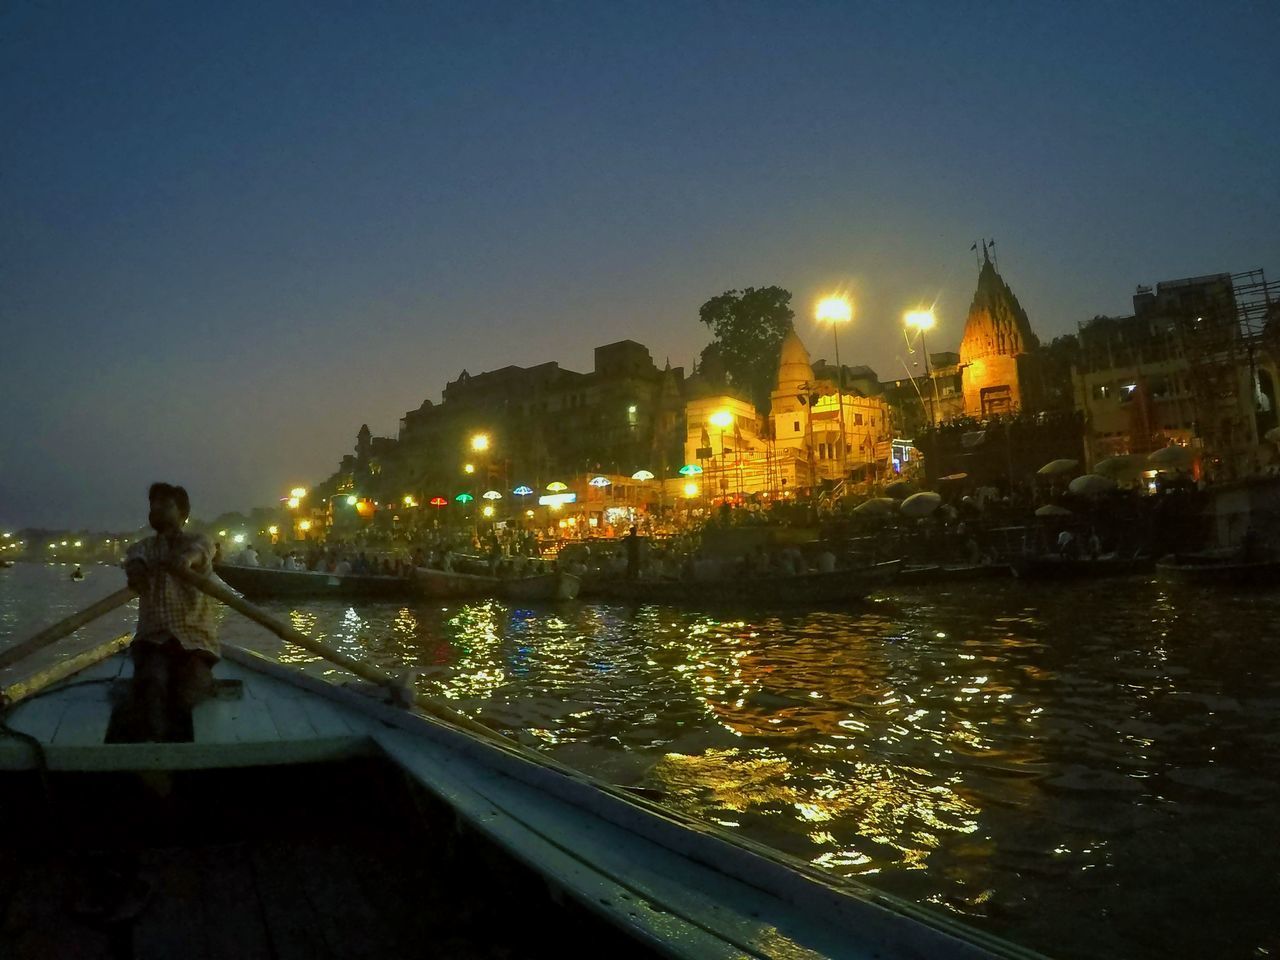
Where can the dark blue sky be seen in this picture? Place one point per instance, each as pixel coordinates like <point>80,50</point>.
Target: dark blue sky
<point>233,233</point>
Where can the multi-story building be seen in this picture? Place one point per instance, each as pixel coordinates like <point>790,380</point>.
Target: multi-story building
<point>1183,368</point>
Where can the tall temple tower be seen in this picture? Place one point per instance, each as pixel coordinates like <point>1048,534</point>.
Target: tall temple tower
<point>795,377</point>
<point>996,349</point>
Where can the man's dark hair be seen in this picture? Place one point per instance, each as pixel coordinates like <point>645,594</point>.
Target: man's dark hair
<point>168,491</point>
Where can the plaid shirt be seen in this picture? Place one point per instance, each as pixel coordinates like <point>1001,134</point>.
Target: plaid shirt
<point>168,607</point>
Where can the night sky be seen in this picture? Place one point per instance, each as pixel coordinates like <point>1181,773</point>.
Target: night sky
<point>233,233</point>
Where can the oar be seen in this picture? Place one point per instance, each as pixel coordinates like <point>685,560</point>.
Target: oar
<point>62,628</point>
<point>361,669</point>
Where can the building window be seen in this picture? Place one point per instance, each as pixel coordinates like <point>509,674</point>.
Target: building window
<point>796,426</point>
<point>1127,391</point>
<point>857,419</point>
<point>1101,391</point>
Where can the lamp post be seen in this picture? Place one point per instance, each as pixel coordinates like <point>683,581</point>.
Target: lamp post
<point>923,320</point>
<point>722,419</point>
<point>835,311</point>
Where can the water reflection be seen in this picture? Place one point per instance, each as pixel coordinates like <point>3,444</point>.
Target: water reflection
<point>1024,757</point>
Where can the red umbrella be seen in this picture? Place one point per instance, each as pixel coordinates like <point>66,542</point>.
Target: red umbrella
<point>438,501</point>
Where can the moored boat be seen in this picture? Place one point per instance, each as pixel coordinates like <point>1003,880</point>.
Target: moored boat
<point>443,584</point>
<point>264,583</point>
<point>450,841</point>
<point>951,572</point>
<point>541,586</point>
<point>807,589</point>
<point>1054,567</point>
<point>1220,569</point>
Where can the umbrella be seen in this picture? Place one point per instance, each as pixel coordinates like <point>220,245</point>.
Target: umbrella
<point>689,469</point>
<point>956,476</point>
<point>1052,510</point>
<point>599,481</point>
<point>1055,467</point>
<point>920,504</point>
<point>642,475</point>
<point>1091,484</point>
<point>1172,456</point>
<point>898,489</point>
<point>491,495</point>
<point>1114,465</point>
<point>555,486</point>
<point>876,507</point>
<point>522,491</point>
<point>464,498</point>
<point>438,501</point>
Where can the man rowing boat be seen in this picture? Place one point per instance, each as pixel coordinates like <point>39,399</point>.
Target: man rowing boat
<point>176,643</point>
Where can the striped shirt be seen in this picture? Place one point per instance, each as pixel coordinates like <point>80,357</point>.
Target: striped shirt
<point>168,607</point>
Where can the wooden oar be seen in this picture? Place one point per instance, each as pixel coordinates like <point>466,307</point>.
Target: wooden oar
<point>64,627</point>
<point>361,669</point>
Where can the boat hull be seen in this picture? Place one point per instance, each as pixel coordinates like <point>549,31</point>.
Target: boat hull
<point>266,584</point>
<point>1056,568</point>
<point>1218,572</point>
<point>546,586</point>
<point>806,589</point>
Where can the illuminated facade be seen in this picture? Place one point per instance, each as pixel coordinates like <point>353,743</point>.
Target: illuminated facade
<point>997,368</point>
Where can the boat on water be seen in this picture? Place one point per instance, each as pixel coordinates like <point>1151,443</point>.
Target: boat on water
<point>803,589</point>
<point>541,586</point>
<point>265,583</point>
<point>445,584</point>
<point>5,564</point>
<point>951,572</point>
<point>299,817</point>
<point>1055,567</point>
<point>1220,569</point>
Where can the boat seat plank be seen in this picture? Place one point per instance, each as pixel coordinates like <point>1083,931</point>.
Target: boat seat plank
<point>38,717</point>
<point>292,924</point>
<point>232,721</point>
<point>84,723</point>
<point>331,720</point>
<point>599,893</point>
<point>291,719</point>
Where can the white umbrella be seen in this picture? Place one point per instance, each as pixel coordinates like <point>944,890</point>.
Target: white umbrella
<point>898,489</point>
<point>642,475</point>
<point>1172,456</point>
<point>1090,485</point>
<point>1129,463</point>
<point>1055,467</point>
<point>876,507</point>
<point>1052,510</point>
<point>921,504</point>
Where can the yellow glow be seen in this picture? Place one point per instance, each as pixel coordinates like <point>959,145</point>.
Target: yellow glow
<point>920,319</point>
<point>480,442</point>
<point>690,489</point>
<point>222,533</point>
<point>298,492</point>
<point>77,543</point>
<point>555,506</point>
<point>64,543</point>
<point>409,501</point>
<point>273,529</point>
<point>469,468</point>
<point>239,538</point>
<point>487,510</point>
<point>8,535</point>
<point>351,501</point>
<point>293,503</point>
<point>528,513</point>
<point>835,310</point>
<point>722,419</point>
<point>304,526</point>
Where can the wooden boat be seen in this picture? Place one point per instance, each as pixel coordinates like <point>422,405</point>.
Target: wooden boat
<point>445,584</point>
<point>1220,569</point>
<point>951,572</point>
<point>541,586</point>
<point>804,589</point>
<point>303,818</point>
<point>265,583</point>
<point>1054,567</point>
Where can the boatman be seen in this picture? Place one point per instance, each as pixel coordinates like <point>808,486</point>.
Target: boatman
<point>176,643</point>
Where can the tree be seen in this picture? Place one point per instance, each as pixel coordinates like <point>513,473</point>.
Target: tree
<point>748,327</point>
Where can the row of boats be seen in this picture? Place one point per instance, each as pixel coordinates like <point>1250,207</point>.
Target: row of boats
<point>802,589</point>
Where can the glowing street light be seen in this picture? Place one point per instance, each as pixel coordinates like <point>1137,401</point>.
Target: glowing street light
<point>480,442</point>
<point>690,490</point>
<point>293,503</point>
<point>923,320</point>
<point>298,492</point>
<point>409,501</point>
<point>835,311</point>
<point>273,529</point>
<point>304,526</point>
<point>352,501</point>
<point>468,468</point>
<point>487,510</point>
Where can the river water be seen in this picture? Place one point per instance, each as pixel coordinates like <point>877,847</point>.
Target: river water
<point>1091,770</point>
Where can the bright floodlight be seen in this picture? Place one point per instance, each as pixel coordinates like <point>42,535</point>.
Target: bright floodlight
<point>835,310</point>
<point>722,419</point>
<point>488,510</point>
<point>298,492</point>
<point>304,526</point>
<point>920,319</point>
<point>690,489</point>
<point>293,503</point>
<point>480,442</point>
<point>469,468</point>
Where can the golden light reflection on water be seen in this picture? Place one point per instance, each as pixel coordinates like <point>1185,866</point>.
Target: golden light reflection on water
<point>964,750</point>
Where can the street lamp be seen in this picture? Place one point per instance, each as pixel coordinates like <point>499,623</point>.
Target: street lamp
<point>923,320</point>
<point>835,311</point>
<point>480,442</point>
<point>722,419</point>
